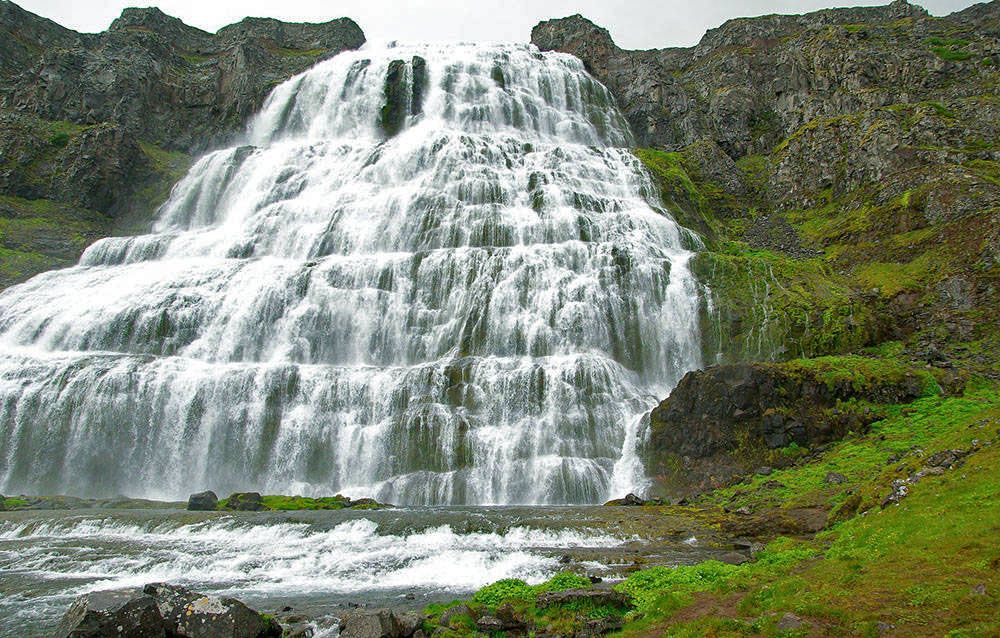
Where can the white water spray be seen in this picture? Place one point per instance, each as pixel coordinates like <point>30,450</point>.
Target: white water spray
<point>475,308</point>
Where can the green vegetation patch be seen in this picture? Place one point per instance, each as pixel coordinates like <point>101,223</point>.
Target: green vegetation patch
<point>766,305</point>
<point>298,53</point>
<point>927,566</point>
<point>14,503</point>
<point>951,49</point>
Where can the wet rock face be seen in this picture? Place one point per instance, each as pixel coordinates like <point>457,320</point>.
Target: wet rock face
<point>156,77</point>
<point>110,614</point>
<point>203,502</point>
<point>245,502</point>
<point>193,615</point>
<point>720,422</point>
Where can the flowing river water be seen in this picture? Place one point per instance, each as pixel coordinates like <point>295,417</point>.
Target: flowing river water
<point>322,562</point>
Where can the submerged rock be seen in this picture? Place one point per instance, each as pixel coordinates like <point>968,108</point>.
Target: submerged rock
<point>203,502</point>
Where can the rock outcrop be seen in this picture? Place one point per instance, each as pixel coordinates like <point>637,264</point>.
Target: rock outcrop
<point>725,420</point>
<point>156,77</point>
<point>380,623</point>
<point>96,128</point>
<point>203,502</point>
<point>163,611</point>
<point>754,81</point>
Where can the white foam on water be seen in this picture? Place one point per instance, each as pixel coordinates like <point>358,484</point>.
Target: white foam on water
<point>234,556</point>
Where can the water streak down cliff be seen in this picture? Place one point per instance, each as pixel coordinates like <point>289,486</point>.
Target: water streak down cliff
<point>432,275</point>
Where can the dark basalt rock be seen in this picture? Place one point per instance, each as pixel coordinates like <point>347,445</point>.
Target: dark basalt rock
<point>380,623</point>
<point>158,78</point>
<point>189,614</point>
<point>396,107</point>
<point>719,422</point>
<point>751,82</point>
<point>630,500</point>
<point>420,81</point>
<point>105,614</point>
<point>203,502</point>
<point>163,611</point>
<point>245,502</point>
<point>404,93</point>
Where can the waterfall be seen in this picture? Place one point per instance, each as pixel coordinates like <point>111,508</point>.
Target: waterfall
<point>429,274</point>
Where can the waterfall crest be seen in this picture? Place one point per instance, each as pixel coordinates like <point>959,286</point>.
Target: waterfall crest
<point>432,274</point>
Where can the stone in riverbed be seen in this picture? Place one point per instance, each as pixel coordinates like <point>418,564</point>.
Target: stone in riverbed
<point>102,614</point>
<point>380,623</point>
<point>245,502</point>
<point>188,614</point>
<point>203,502</point>
<point>630,500</point>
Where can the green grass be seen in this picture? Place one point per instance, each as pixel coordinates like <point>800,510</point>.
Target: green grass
<point>196,58</point>
<point>298,53</point>
<point>950,54</point>
<point>12,503</point>
<point>913,565</point>
<point>951,49</point>
<point>521,599</point>
<point>60,139</point>
<point>892,278</point>
<point>509,589</point>
<point>770,306</point>
<point>276,502</point>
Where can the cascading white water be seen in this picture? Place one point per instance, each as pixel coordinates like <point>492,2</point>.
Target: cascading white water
<point>433,274</point>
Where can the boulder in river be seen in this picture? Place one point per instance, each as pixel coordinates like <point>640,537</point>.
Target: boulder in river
<point>630,500</point>
<point>380,623</point>
<point>192,615</point>
<point>101,614</point>
<point>245,502</point>
<point>203,502</point>
<point>162,611</point>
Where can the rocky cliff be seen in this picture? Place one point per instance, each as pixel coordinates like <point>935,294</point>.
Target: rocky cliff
<point>96,128</point>
<point>843,166</point>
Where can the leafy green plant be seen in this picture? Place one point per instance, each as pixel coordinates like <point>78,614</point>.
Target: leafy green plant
<point>561,582</point>
<point>59,140</point>
<point>502,591</point>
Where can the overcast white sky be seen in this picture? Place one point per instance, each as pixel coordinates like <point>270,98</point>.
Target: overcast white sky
<point>634,24</point>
